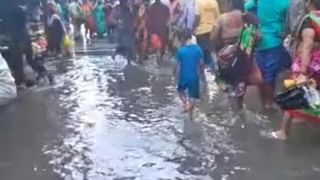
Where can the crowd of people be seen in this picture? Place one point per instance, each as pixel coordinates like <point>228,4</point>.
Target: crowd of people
<point>244,45</point>
<point>255,41</point>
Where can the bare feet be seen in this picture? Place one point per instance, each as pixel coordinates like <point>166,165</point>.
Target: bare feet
<point>185,107</point>
<point>280,135</point>
<point>270,106</point>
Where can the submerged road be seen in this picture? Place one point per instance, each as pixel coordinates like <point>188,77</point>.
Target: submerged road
<point>104,120</point>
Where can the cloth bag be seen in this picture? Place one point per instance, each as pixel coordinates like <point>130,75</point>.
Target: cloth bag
<point>292,99</point>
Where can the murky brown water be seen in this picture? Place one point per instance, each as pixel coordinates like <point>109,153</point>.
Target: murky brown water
<point>105,120</point>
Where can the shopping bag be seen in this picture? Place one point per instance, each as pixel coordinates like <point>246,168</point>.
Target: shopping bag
<point>67,42</point>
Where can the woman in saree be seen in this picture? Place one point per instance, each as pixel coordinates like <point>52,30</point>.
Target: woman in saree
<point>306,65</point>
<point>56,32</point>
<point>87,10</point>
<point>141,31</point>
<point>100,19</point>
<point>109,19</point>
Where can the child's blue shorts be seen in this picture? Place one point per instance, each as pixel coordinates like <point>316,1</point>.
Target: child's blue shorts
<point>192,86</point>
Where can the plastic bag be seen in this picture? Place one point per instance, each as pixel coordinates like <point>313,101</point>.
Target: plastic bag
<point>312,96</point>
<point>67,42</point>
<point>8,90</point>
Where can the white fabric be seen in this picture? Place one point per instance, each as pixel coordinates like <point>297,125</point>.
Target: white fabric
<point>188,16</point>
<point>73,8</point>
<point>194,40</point>
<point>8,90</point>
<point>165,2</point>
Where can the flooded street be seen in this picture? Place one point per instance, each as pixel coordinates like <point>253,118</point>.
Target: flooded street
<point>105,120</point>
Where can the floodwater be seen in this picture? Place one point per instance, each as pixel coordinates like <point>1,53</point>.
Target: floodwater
<point>104,120</point>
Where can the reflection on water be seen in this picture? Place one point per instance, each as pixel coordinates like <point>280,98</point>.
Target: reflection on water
<point>125,122</point>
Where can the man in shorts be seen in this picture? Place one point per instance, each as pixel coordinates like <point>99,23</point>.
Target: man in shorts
<point>271,57</point>
<point>189,57</point>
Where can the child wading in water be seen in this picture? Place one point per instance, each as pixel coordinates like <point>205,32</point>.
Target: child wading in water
<point>189,60</point>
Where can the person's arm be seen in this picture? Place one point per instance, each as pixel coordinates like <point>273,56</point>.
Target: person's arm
<point>95,5</point>
<point>215,35</point>
<point>307,44</point>
<point>218,12</point>
<point>215,31</point>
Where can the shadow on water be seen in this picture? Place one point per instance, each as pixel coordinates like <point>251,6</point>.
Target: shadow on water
<point>107,120</point>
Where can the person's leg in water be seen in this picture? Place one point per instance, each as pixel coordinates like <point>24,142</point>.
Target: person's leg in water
<point>120,50</point>
<point>205,44</point>
<point>240,90</point>
<point>57,42</point>
<point>142,45</point>
<point>266,93</point>
<point>285,127</point>
<point>50,40</point>
<point>142,51</point>
<point>131,51</point>
<point>17,65</point>
<point>60,38</point>
<point>182,95</point>
<point>164,39</point>
<point>193,94</point>
<point>208,59</point>
<point>271,62</point>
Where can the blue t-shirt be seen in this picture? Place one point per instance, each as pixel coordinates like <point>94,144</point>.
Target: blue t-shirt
<point>189,58</point>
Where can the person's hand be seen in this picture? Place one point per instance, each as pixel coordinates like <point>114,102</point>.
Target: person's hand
<point>301,79</point>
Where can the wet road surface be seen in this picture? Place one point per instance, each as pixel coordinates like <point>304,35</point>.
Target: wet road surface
<point>105,120</point>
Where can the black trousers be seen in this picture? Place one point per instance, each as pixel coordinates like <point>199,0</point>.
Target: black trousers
<point>206,45</point>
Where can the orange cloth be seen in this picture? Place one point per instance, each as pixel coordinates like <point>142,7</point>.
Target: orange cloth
<point>156,41</point>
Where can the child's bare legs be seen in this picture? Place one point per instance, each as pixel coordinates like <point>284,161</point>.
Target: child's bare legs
<point>184,100</point>
<point>286,123</point>
<point>190,104</point>
<point>190,107</point>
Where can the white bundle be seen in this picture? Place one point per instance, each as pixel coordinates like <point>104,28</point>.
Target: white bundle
<point>8,90</point>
